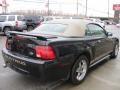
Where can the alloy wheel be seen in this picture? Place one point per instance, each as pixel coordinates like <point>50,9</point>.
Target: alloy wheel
<point>81,70</point>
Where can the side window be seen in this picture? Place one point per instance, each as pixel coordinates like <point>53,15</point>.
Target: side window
<point>11,18</point>
<point>20,18</point>
<point>87,32</point>
<point>95,30</point>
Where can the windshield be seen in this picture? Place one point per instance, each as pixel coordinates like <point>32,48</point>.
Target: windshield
<point>50,29</point>
<point>2,18</point>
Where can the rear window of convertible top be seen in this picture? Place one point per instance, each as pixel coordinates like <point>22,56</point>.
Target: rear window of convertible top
<point>50,28</point>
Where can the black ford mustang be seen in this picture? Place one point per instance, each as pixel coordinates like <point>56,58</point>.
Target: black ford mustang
<point>59,49</point>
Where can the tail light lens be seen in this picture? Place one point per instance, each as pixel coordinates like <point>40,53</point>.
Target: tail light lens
<point>45,52</point>
<point>38,22</point>
<point>16,23</point>
<point>8,44</point>
<point>26,23</point>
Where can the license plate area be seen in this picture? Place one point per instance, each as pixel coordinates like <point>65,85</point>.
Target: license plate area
<point>10,61</point>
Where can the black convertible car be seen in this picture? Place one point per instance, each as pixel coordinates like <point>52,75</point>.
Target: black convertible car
<point>59,49</point>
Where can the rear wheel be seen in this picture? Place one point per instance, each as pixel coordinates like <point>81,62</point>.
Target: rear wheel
<point>79,70</point>
<point>115,51</point>
<point>6,29</point>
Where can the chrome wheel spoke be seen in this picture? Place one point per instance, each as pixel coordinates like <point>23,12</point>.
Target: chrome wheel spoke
<point>116,50</point>
<point>81,70</point>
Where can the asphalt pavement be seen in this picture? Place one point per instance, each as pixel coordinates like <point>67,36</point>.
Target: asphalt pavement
<point>105,76</point>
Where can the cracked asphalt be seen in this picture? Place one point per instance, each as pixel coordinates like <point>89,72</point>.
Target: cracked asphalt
<point>105,76</point>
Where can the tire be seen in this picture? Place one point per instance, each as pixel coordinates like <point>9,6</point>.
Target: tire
<point>6,29</point>
<point>114,54</point>
<point>79,70</point>
<point>30,28</point>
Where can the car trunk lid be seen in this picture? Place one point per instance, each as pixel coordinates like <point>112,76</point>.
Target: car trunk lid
<point>25,43</point>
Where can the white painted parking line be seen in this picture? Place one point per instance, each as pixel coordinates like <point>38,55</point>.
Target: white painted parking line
<point>108,82</point>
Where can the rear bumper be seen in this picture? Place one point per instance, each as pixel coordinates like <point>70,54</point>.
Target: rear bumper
<point>42,69</point>
<point>20,28</point>
<point>14,28</point>
<point>23,65</point>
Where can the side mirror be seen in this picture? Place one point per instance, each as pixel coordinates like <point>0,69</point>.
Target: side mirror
<point>109,34</point>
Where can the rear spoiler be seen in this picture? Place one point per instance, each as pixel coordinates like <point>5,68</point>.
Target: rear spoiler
<point>14,33</point>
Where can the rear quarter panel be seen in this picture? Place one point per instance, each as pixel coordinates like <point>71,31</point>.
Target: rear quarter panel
<point>68,52</point>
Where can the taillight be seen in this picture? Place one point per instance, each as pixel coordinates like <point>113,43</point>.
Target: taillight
<point>45,52</point>
<point>38,22</point>
<point>8,44</point>
<point>16,23</point>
